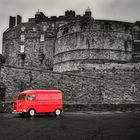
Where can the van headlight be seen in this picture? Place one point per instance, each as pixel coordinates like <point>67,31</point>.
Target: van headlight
<point>24,110</point>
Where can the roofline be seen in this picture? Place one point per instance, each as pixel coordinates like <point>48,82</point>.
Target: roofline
<point>117,21</point>
<point>39,91</point>
<point>21,24</point>
<point>95,20</point>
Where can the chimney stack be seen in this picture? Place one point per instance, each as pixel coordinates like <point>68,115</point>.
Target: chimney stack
<point>12,21</point>
<point>19,19</point>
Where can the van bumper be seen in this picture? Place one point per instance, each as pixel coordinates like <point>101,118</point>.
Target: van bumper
<point>15,112</point>
<point>23,111</point>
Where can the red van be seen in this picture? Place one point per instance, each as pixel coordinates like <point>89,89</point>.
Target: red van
<point>39,101</point>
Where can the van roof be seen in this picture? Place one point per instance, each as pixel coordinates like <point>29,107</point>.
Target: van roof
<point>40,91</point>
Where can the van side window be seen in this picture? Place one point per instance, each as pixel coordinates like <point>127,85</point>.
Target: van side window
<point>21,97</point>
<point>31,97</point>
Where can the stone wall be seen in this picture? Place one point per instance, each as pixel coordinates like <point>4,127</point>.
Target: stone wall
<point>108,86</point>
<point>37,42</point>
<point>93,44</point>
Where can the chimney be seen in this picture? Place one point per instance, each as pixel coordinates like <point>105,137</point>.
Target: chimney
<point>19,19</point>
<point>12,21</point>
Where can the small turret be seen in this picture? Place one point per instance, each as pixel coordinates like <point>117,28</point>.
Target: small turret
<point>88,12</point>
<point>39,16</point>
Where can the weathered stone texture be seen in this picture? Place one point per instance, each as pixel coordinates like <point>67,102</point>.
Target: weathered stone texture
<point>98,86</point>
<point>2,85</point>
<point>92,44</point>
<point>32,52</point>
<point>96,57</point>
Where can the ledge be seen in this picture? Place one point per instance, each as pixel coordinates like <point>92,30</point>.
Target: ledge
<point>101,107</point>
<point>93,49</point>
<point>98,61</point>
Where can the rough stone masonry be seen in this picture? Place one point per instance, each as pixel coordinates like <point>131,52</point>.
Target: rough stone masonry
<point>92,61</point>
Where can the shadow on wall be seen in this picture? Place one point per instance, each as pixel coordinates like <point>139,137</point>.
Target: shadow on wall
<point>2,92</point>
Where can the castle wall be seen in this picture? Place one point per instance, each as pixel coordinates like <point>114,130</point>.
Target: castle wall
<point>90,60</point>
<point>91,45</point>
<point>36,52</point>
<point>111,86</point>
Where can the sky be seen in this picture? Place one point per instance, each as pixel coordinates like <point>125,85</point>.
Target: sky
<point>122,10</point>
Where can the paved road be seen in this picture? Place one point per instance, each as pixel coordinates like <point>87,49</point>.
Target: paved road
<point>72,126</point>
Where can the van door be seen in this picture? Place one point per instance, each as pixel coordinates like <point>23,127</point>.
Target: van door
<point>31,102</point>
<point>20,102</point>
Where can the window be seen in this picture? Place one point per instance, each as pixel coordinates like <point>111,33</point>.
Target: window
<point>53,25</point>
<point>88,43</point>
<point>126,28</point>
<point>107,26</point>
<point>44,28</point>
<point>133,88</point>
<point>22,28</point>
<point>66,30</point>
<point>136,28</point>
<point>34,29</point>
<point>22,48</point>
<point>21,97</point>
<point>42,37</point>
<point>22,38</point>
<point>31,97</point>
<point>125,45</point>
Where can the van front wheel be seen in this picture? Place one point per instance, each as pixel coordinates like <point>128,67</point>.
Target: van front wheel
<point>57,112</point>
<point>31,112</point>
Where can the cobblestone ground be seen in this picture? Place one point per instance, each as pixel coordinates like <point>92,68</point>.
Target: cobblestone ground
<point>71,126</point>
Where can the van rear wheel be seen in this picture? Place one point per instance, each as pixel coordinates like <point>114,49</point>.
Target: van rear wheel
<point>31,112</point>
<point>57,112</point>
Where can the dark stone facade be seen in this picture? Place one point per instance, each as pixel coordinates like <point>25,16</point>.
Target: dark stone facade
<point>113,86</point>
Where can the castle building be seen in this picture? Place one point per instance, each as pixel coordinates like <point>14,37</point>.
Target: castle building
<point>69,44</point>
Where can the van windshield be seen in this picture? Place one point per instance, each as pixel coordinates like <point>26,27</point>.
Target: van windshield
<point>21,97</point>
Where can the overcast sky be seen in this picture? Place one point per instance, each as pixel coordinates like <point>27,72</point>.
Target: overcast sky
<point>124,10</point>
